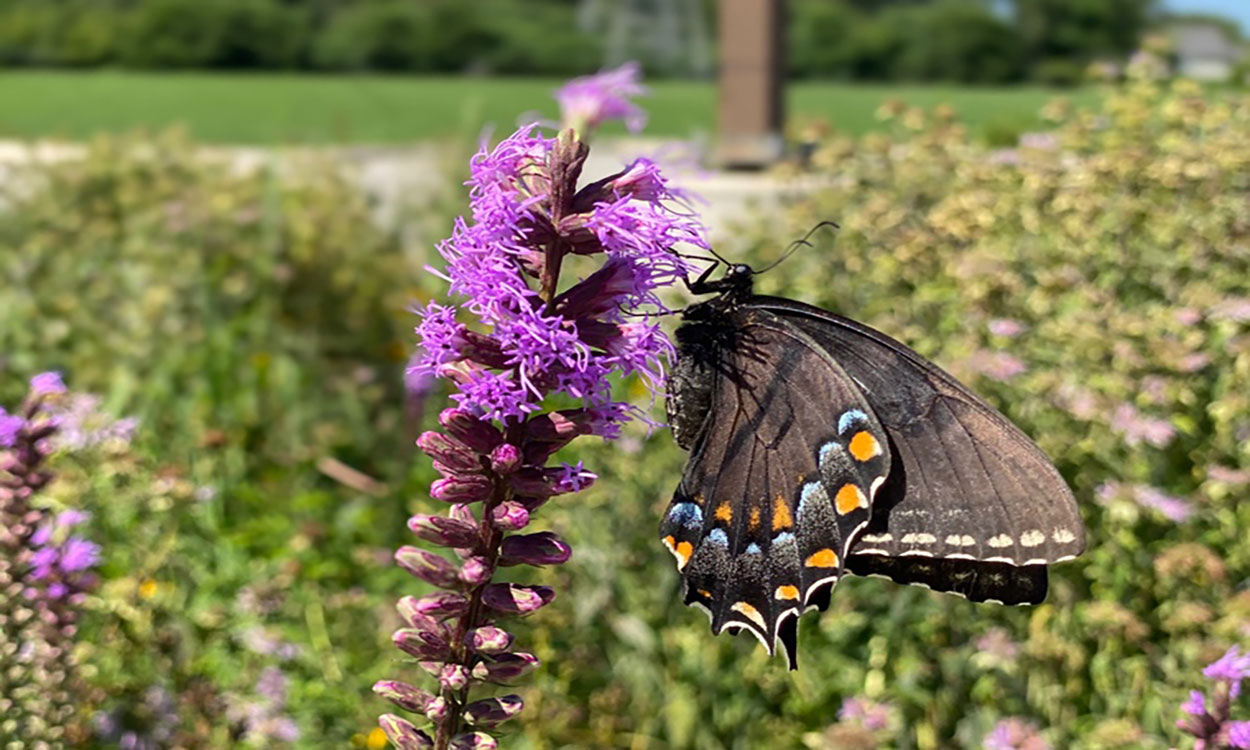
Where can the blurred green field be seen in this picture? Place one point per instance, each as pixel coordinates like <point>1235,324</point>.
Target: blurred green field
<point>255,324</point>
<point>299,109</point>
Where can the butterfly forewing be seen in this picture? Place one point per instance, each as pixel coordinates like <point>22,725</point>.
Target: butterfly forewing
<point>781,476</point>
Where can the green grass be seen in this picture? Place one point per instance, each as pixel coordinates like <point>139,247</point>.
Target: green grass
<point>382,109</point>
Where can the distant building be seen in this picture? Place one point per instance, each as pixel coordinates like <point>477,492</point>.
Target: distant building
<point>1205,51</point>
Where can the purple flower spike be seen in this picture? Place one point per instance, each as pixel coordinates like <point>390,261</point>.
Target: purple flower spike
<point>47,384</point>
<point>10,426</point>
<point>516,599</point>
<point>505,668</point>
<point>474,741</point>
<point>403,734</point>
<point>490,640</point>
<point>1231,667</point>
<point>427,566</point>
<point>407,697</point>
<point>493,711</point>
<point>78,555</point>
<point>587,102</point>
<point>543,548</point>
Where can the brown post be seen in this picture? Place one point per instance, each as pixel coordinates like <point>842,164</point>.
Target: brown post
<point>751,91</point>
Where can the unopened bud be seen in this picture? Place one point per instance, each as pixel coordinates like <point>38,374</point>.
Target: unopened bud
<point>454,676</point>
<point>473,741</point>
<point>479,435</point>
<point>427,566</point>
<point>505,668</point>
<point>510,516</point>
<point>543,548</point>
<point>449,452</point>
<point>505,459</point>
<point>445,532</point>
<point>462,488</point>
<point>420,644</point>
<point>415,619</point>
<point>515,598</point>
<point>436,710</point>
<point>407,697</point>
<point>439,604</point>
<point>490,640</point>
<point>493,711</point>
<point>404,735</point>
<point>475,571</point>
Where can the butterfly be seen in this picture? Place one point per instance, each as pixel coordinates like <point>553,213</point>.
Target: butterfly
<point>821,447</point>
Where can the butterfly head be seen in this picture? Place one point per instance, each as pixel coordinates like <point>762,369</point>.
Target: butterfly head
<point>733,287</point>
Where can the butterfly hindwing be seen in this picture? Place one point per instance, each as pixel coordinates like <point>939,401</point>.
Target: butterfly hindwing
<point>785,459</point>
<point>966,484</point>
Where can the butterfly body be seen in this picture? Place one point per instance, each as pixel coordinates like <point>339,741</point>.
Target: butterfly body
<point>819,447</point>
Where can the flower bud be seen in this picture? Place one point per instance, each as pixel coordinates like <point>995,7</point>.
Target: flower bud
<point>461,488</point>
<point>475,571</point>
<point>436,710</point>
<point>505,459</point>
<point>427,566</point>
<point>474,741</point>
<point>445,532</point>
<point>543,548</point>
<point>451,453</point>
<point>463,514</point>
<point>515,598</point>
<point>558,427</point>
<point>404,735</point>
<point>438,604</point>
<point>505,668</point>
<point>418,621</point>
<point>420,644</point>
<point>407,697</point>
<point>510,516</point>
<point>493,711</point>
<point>479,435</point>
<point>453,676</point>
<point>490,640</point>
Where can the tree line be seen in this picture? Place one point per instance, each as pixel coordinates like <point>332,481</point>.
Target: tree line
<point>976,41</point>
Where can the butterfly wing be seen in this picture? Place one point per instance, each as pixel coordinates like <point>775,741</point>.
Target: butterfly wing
<point>971,505</point>
<point>785,458</point>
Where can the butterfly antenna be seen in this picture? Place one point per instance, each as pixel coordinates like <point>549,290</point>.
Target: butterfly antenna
<point>797,244</point>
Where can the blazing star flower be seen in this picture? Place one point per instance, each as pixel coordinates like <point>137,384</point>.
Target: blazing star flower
<point>1209,718</point>
<point>1136,428</point>
<point>1173,508</point>
<point>1239,734</point>
<point>1231,668</point>
<point>587,102</point>
<point>43,561</point>
<point>512,335</point>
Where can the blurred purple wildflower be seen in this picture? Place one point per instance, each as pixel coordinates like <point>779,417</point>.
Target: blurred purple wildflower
<point>587,102</point>
<point>1228,475</point>
<point>1015,734</point>
<point>1208,716</point>
<point>1239,734</point>
<point>1173,508</point>
<point>1136,428</point>
<point>1231,668</point>
<point>517,337</point>
<point>1000,366</point>
<point>47,384</point>
<point>869,714</point>
<point>1235,309</point>
<point>1006,327</point>
<point>995,648</point>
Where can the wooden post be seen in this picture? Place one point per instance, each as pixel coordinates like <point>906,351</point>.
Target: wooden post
<point>751,82</point>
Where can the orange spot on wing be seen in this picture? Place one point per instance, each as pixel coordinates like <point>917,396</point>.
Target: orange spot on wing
<point>704,593</point>
<point>864,446</point>
<point>724,513</point>
<point>683,551</point>
<point>848,498</point>
<point>781,514</point>
<point>825,558</point>
<point>786,592</point>
<point>753,522</point>
<point>699,500</point>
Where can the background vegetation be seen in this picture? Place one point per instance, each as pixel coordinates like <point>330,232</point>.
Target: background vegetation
<point>1088,281</point>
<point>975,41</point>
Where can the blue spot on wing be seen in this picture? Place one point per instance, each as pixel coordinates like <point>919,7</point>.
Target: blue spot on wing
<point>783,537</point>
<point>686,514</point>
<point>753,549</point>
<point>719,537</point>
<point>849,418</point>
<point>812,493</point>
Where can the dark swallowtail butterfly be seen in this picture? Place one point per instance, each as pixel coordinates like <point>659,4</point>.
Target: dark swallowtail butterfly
<point>819,446</point>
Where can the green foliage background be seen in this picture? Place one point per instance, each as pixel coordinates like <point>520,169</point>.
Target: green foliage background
<point>255,322</point>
